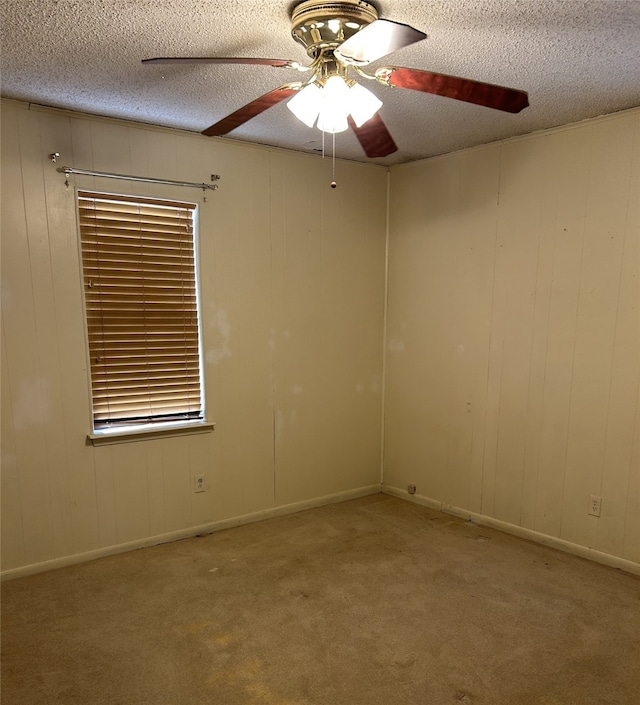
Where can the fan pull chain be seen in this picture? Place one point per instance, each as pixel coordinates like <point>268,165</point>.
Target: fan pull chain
<point>333,162</point>
<point>333,159</point>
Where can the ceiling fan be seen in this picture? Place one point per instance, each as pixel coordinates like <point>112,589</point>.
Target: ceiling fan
<point>341,38</point>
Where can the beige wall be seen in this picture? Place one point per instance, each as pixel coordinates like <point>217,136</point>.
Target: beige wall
<point>513,339</point>
<point>512,344</point>
<point>292,284</point>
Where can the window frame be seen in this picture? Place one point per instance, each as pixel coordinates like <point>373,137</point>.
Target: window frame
<point>122,431</point>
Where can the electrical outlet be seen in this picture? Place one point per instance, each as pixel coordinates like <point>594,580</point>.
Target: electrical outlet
<point>198,483</point>
<point>595,505</point>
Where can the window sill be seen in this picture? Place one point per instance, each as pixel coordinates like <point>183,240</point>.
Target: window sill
<point>148,433</point>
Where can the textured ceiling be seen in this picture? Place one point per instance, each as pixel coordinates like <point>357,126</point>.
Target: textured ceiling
<point>576,59</point>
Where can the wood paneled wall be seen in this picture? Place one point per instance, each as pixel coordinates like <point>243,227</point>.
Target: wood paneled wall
<point>512,342</point>
<point>513,339</point>
<point>292,296</point>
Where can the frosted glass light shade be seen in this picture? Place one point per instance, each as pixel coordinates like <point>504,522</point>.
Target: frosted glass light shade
<point>328,122</point>
<point>364,104</point>
<point>305,104</point>
<point>335,107</point>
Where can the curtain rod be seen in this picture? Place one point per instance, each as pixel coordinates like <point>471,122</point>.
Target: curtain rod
<point>66,170</point>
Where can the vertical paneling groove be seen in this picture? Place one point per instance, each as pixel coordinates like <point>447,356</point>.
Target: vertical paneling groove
<point>631,539</point>
<point>595,334</point>
<point>55,135</point>
<point>489,445</point>
<point>547,213</point>
<point>277,209</point>
<point>11,527</point>
<point>622,437</point>
<point>40,237</point>
<point>25,382</point>
<point>106,496</point>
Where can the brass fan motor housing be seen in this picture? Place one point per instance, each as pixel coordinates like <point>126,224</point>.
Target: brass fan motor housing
<point>319,26</point>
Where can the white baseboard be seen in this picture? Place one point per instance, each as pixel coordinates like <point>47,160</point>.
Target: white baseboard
<point>519,531</point>
<point>209,528</point>
<point>483,520</point>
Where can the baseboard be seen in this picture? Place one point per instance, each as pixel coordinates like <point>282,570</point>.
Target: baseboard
<point>211,527</point>
<point>519,531</point>
<point>208,528</point>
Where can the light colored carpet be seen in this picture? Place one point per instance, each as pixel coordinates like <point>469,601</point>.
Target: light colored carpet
<point>373,601</point>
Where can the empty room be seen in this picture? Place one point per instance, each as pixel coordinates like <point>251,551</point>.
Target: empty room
<point>320,352</point>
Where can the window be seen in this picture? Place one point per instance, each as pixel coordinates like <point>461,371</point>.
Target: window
<point>139,267</point>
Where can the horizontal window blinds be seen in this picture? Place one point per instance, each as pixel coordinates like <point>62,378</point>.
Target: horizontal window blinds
<point>140,291</point>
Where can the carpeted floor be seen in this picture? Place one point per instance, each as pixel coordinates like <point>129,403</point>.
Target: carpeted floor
<point>370,602</point>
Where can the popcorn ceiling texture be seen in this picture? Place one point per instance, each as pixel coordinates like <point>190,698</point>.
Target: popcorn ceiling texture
<point>576,59</point>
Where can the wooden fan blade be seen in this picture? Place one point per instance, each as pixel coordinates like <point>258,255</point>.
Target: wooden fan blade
<point>377,39</point>
<point>508,99</point>
<point>250,110</point>
<point>374,137</point>
<point>220,60</point>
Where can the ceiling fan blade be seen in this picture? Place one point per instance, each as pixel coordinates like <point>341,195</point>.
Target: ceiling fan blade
<point>221,60</point>
<point>491,96</point>
<point>250,110</point>
<point>377,39</point>
<point>374,137</point>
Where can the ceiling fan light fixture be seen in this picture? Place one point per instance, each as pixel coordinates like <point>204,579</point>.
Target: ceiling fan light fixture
<point>363,103</point>
<point>305,105</point>
<point>332,103</point>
